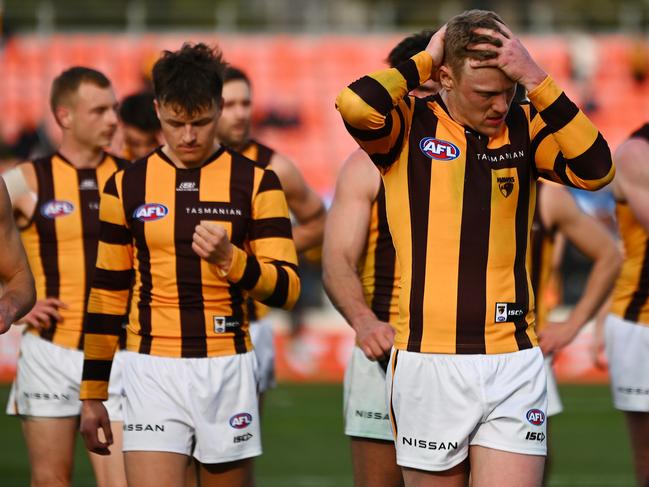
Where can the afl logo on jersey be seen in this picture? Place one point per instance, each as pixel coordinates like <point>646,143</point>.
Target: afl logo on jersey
<point>241,420</point>
<point>535,417</point>
<point>439,149</point>
<point>150,212</point>
<point>56,208</point>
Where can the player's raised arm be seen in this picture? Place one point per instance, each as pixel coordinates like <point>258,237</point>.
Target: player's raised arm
<point>345,240</point>
<point>376,109</point>
<point>18,293</point>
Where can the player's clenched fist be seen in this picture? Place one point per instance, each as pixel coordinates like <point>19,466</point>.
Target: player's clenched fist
<point>211,242</point>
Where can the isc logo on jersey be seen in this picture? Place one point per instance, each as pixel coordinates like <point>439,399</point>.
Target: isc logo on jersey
<point>150,212</point>
<point>56,208</point>
<point>241,420</point>
<point>535,417</point>
<point>439,149</point>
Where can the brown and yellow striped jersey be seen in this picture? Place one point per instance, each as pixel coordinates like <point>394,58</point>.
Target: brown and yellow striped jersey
<point>542,241</point>
<point>460,204</point>
<point>61,239</point>
<point>262,155</point>
<point>379,269</point>
<point>182,306</point>
<point>631,293</point>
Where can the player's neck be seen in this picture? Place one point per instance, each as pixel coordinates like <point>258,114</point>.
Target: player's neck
<point>80,155</point>
<point>453,111</point>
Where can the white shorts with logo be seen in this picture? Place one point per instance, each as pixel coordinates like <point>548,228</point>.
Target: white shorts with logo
<point>205,407</point>
<point>440,404</point>
<point>627,349</point>
<point>555,406</point>
<point>365,407</point>
<point>261,335</point>
<point>47,381</point>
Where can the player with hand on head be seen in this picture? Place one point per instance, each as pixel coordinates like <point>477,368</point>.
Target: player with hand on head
<point>466,376</point>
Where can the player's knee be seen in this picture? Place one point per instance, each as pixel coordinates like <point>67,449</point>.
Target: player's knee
<point>51,477</point>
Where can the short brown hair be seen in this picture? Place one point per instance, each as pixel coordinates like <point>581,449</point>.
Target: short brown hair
<point>67,83</point>
<point>190,78</point>
<point>459,34</point>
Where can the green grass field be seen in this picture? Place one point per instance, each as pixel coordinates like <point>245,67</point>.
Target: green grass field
<point>304,445</point>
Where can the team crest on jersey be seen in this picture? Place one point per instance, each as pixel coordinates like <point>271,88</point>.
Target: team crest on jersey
<point>535,417</point>
<point>56,208</point>
<point>438,149</point>
<point>149,212</point>
<point>506,185</point>
<point>241,420</point>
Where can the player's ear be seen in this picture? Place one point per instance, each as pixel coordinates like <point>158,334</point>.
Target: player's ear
<point>156,106</point>
<point>63,116</point>
<point>446,78</point>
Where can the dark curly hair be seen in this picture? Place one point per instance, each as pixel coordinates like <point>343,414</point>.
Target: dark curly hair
<point>190,78</point>
<point>408,47</point>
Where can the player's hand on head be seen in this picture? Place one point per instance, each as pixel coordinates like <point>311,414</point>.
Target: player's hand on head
<point>507,53</point>
<point>436,49</point>
<point>93,418</point>
<point>374,337</point>
<point>211,242</point>
<point>44,313</point>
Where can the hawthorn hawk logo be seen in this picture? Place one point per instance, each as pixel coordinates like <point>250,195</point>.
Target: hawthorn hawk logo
<point>506,185</point>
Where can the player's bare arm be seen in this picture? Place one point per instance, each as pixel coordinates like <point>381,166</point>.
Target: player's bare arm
<point>22,188</point>
<point>93,418</point>
<point>304,203</point>
<point>508,54</point>
<point>632,179</point>
<point>18,294</point>
<point>345,238</point>
<point>559,209</point>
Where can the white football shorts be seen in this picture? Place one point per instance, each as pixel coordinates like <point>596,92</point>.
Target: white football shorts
<point>261,335</point>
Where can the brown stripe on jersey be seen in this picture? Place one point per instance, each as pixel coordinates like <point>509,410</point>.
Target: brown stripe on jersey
<point>386,160</point>
<point>241,180</point>
<point>135,178</point>
<point>264,154</point>
<point>188,268</point>
<point>269,228</point>
<point>384,262</point>
<point>419,200</point>
<point>641,294</point>
<point>372,93</point>
<point>409,71</point>
<point>361,134</point>
<point>583,166</point>
<point>518,130</point>
<point>474,251</point>
<point>560,113</point>
<point>96,369</point>
<point>89,201</point>
<point>48,239</point>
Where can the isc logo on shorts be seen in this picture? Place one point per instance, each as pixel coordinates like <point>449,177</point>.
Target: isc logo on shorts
<point>150,212</point>
<point>241,420</point>
<point>535,417</point>
<point>56,208</point>
<point>441,150</point>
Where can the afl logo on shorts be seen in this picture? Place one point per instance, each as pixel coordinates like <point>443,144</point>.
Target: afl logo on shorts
<point>535,417</point>
<point>241,420</point>
<point>439,149</point>
<point>56,208</point>
<point>150,212</point>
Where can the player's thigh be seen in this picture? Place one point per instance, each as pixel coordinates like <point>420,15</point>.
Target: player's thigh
<point>457,476</point>
<point>233,474</point>
<point>50,445</point>
<point>375,463</point>
<point>109,469</point>
<point>155,469</point>
<point>491,467</point>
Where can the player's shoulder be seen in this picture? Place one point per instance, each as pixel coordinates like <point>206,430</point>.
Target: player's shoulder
<point>120,162</point>
<point>359,175</point>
